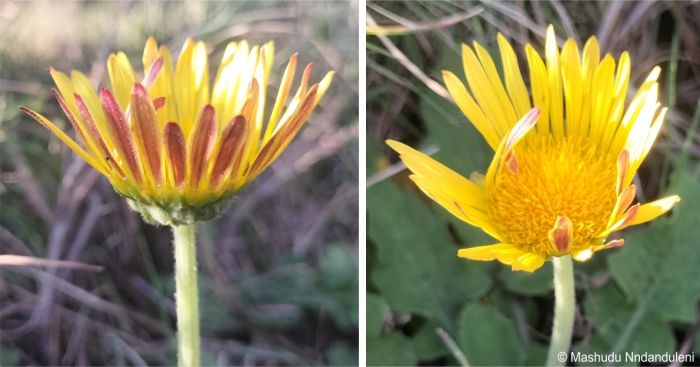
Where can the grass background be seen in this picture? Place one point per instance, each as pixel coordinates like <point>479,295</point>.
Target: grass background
<point>640,298</point>
<point>278,271</point>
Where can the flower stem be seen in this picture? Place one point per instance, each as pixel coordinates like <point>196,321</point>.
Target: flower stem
<point>186,296</point>
<point>564,304</point>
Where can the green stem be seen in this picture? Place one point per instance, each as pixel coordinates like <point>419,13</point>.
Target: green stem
<point>186,296</point>
<point>564,304</point>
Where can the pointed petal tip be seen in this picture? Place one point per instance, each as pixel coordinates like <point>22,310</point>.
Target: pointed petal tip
<point>615,243</point>
<point>395,145</point>
<point>478,253</point>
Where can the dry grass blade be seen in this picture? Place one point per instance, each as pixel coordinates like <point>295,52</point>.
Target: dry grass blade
<point>17,260</point>
<point>412,27</point>
<point>406,62</point>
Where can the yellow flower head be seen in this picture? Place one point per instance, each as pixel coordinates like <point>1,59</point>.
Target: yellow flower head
<point>560,181</point>
<point>172,145</point>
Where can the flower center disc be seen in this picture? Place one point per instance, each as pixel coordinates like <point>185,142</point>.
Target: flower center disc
<point>555,177</point>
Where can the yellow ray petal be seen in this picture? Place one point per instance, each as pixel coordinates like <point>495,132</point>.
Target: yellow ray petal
<point>122,77</point>
<point>281,138</point>
<point>87,157</point>
<point>572,80</point>
<point>226,82</point>
<point>583,254</point>
<point>622,77</point>
<point>644,100</point>
<point>323,86</point>
<point>463,207</point>
<point>471,109</point>
<point>638,155</point>
<point>516,134</point>
<point>590,61</point>
<point>556,116</point>
<point>505,253</point>
<point>654,209</point>
<point>87,92</point>
<point>497,88</point>
<point>540,88</point>
<point>514,79</point>
<point>624,200</point>
<point>528,262</point>
<point>602,85</point>
<point>282,94</point>
<point>483,91</point>
<point>65,86</point>
<point>422,165</point>
<point>192,81</point>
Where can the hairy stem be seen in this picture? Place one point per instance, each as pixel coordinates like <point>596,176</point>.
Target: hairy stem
<point>564,304</point>
<point>186,296</point>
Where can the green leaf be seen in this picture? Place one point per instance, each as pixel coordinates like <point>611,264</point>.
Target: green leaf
<point>536,354</point>
<point>610,313</point>
<point>426,344</point>
<point>417,266</point>
<point>390,350</point>
<point>8,357</point>
<point>341,354</point>
<point>658,264</point>
<point>376,311</point>
<point>487,337</point>
<point>460,147</point>
<point>528,284</point>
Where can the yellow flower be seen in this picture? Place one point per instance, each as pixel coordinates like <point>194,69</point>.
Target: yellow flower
<point>172,145</point>
<point>560,181</point>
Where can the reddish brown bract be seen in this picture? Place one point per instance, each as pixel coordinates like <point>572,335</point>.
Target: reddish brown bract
<point>232,144</point>
<point>120,132</point>
<point>201,142</point>
<point>175,145</point>
<point>145,124</point>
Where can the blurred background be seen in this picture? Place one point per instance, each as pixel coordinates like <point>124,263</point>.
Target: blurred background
<point>640,298</point>
<point>278,270</point>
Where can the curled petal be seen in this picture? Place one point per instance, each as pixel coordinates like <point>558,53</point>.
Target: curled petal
<point>615,243</point>
<point>624,200</point>
<point>512,162</point>
<point>623,162</point>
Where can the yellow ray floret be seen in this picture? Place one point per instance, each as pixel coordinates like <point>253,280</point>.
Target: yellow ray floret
<point>564,158</point>
<point>169,141</point>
